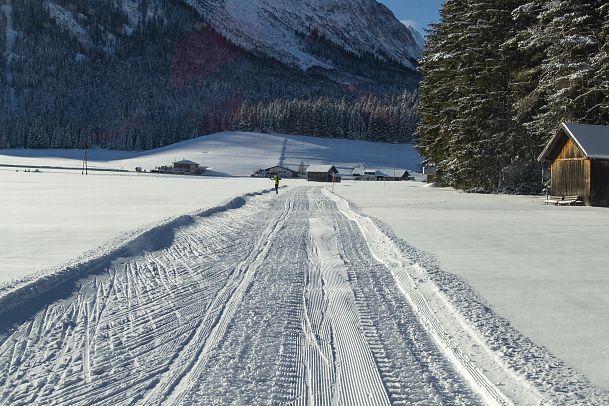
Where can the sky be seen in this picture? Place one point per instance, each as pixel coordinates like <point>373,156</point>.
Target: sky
<point>418,13</point>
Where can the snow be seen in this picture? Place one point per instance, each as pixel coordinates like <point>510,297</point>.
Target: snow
<point>216,290</point>
<point>102,205</point>
<point>51,217</point>
<point>319,168</point>
<point>235,154</point>
<point>593,140</point>
<point>131,9</point>
<point>67,21</point>
<point>417,36</point>
<point>279,29</point>
<point>544,268</point>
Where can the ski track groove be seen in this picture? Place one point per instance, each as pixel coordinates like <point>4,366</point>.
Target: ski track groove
<point>287,300</point>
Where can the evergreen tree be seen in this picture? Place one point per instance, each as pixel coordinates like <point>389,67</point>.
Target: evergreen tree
<point>439,65</point>
<point>499,77</point>
<point>570,30</point>
<point>600,92</point>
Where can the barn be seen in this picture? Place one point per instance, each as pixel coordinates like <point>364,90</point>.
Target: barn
<point>579,159</point>
<point>322,173</point>
<point>398,175</point>
<point>188,167</point>
<point>282,171</point>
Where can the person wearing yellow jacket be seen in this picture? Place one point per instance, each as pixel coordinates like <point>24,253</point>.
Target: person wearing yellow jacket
<point>276,179</point>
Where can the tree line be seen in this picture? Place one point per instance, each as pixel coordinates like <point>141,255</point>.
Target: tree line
<point>500,77</point>
<point>387,119</point>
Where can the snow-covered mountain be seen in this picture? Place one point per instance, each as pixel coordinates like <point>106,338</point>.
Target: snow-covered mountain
<point>417,36</point>
<point>282,29</point>
<point>152,72</point>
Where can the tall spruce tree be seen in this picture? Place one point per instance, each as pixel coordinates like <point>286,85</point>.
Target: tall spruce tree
<point>440,63</point>
<point>601,67</point>
<point>467,128</point>
<point>570,29</point>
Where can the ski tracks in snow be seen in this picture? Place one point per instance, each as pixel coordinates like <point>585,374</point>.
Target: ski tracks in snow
<point>291,299</point>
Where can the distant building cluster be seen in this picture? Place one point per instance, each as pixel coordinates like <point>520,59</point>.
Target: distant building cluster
<point>183,167</point>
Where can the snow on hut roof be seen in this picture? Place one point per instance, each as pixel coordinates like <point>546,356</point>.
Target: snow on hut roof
<point>400,173</point>
<point>279,167</point>
<point>593,140</point>
<point>186,162</point>
<point>322,168</point>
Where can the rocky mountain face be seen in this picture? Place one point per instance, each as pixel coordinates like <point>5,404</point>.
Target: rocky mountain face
<point>144,73</point>
<point>282,29</point>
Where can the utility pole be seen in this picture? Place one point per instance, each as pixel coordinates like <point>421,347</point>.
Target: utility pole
<point>85,165</point>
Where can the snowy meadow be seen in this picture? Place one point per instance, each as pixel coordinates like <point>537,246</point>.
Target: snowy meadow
<point>542,268</point>
<point>54,215</point>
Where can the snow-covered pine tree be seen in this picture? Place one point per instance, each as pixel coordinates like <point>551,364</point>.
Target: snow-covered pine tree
<point>601,67</point>
<point>568,31</point>
<point>439,65</point>
<point>466,125</point>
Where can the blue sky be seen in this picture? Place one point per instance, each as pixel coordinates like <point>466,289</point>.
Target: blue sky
<point>418,12</point>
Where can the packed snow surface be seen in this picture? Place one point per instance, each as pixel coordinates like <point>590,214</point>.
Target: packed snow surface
<point>291,298</point>
<point>218,291</point>
<point>51,217</point>
<point>56,215</point>
<point>544,268</point>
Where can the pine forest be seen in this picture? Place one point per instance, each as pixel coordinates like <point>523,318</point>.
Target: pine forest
<point>498,79</point>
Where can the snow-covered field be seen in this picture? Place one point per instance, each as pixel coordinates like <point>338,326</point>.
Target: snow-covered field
<point>50,218</point>
<point>544,268</point>
<point>215,290</point>
<point>234,154</point>
<point>95,208</point>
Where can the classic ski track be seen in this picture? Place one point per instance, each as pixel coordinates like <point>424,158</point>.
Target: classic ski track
<point>291,299</point>
<point>333,343</point>
<point>477,362</point>
<point>152,312</point>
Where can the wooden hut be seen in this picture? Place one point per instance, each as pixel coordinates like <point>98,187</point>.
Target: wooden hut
<point>282,171</point>
<point>322,173</point>
<point>398,175</point>
<point>579,158</point>
<point>183,167</point>
<point>187,167</point>
<point>373,174</point>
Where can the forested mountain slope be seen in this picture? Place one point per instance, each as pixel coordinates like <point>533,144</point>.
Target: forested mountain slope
<point>138,74</point>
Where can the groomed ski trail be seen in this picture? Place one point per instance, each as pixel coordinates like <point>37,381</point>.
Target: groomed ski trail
<point>292,299</point>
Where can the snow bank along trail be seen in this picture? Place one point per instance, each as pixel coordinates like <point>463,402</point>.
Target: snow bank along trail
<point>289,299</point>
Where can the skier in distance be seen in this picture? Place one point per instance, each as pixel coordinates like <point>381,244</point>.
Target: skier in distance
<point>276,179</point>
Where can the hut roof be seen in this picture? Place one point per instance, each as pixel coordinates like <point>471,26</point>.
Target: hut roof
<point>400,173</point>
<point>322,169</point>
<point>186,162</point>
<point>279,167</point>
<point>593,140</point>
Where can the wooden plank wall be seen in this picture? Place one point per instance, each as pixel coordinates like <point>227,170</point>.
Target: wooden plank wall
<point>570,150</point>
<point>571,178</point>
<point>571,172</point>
